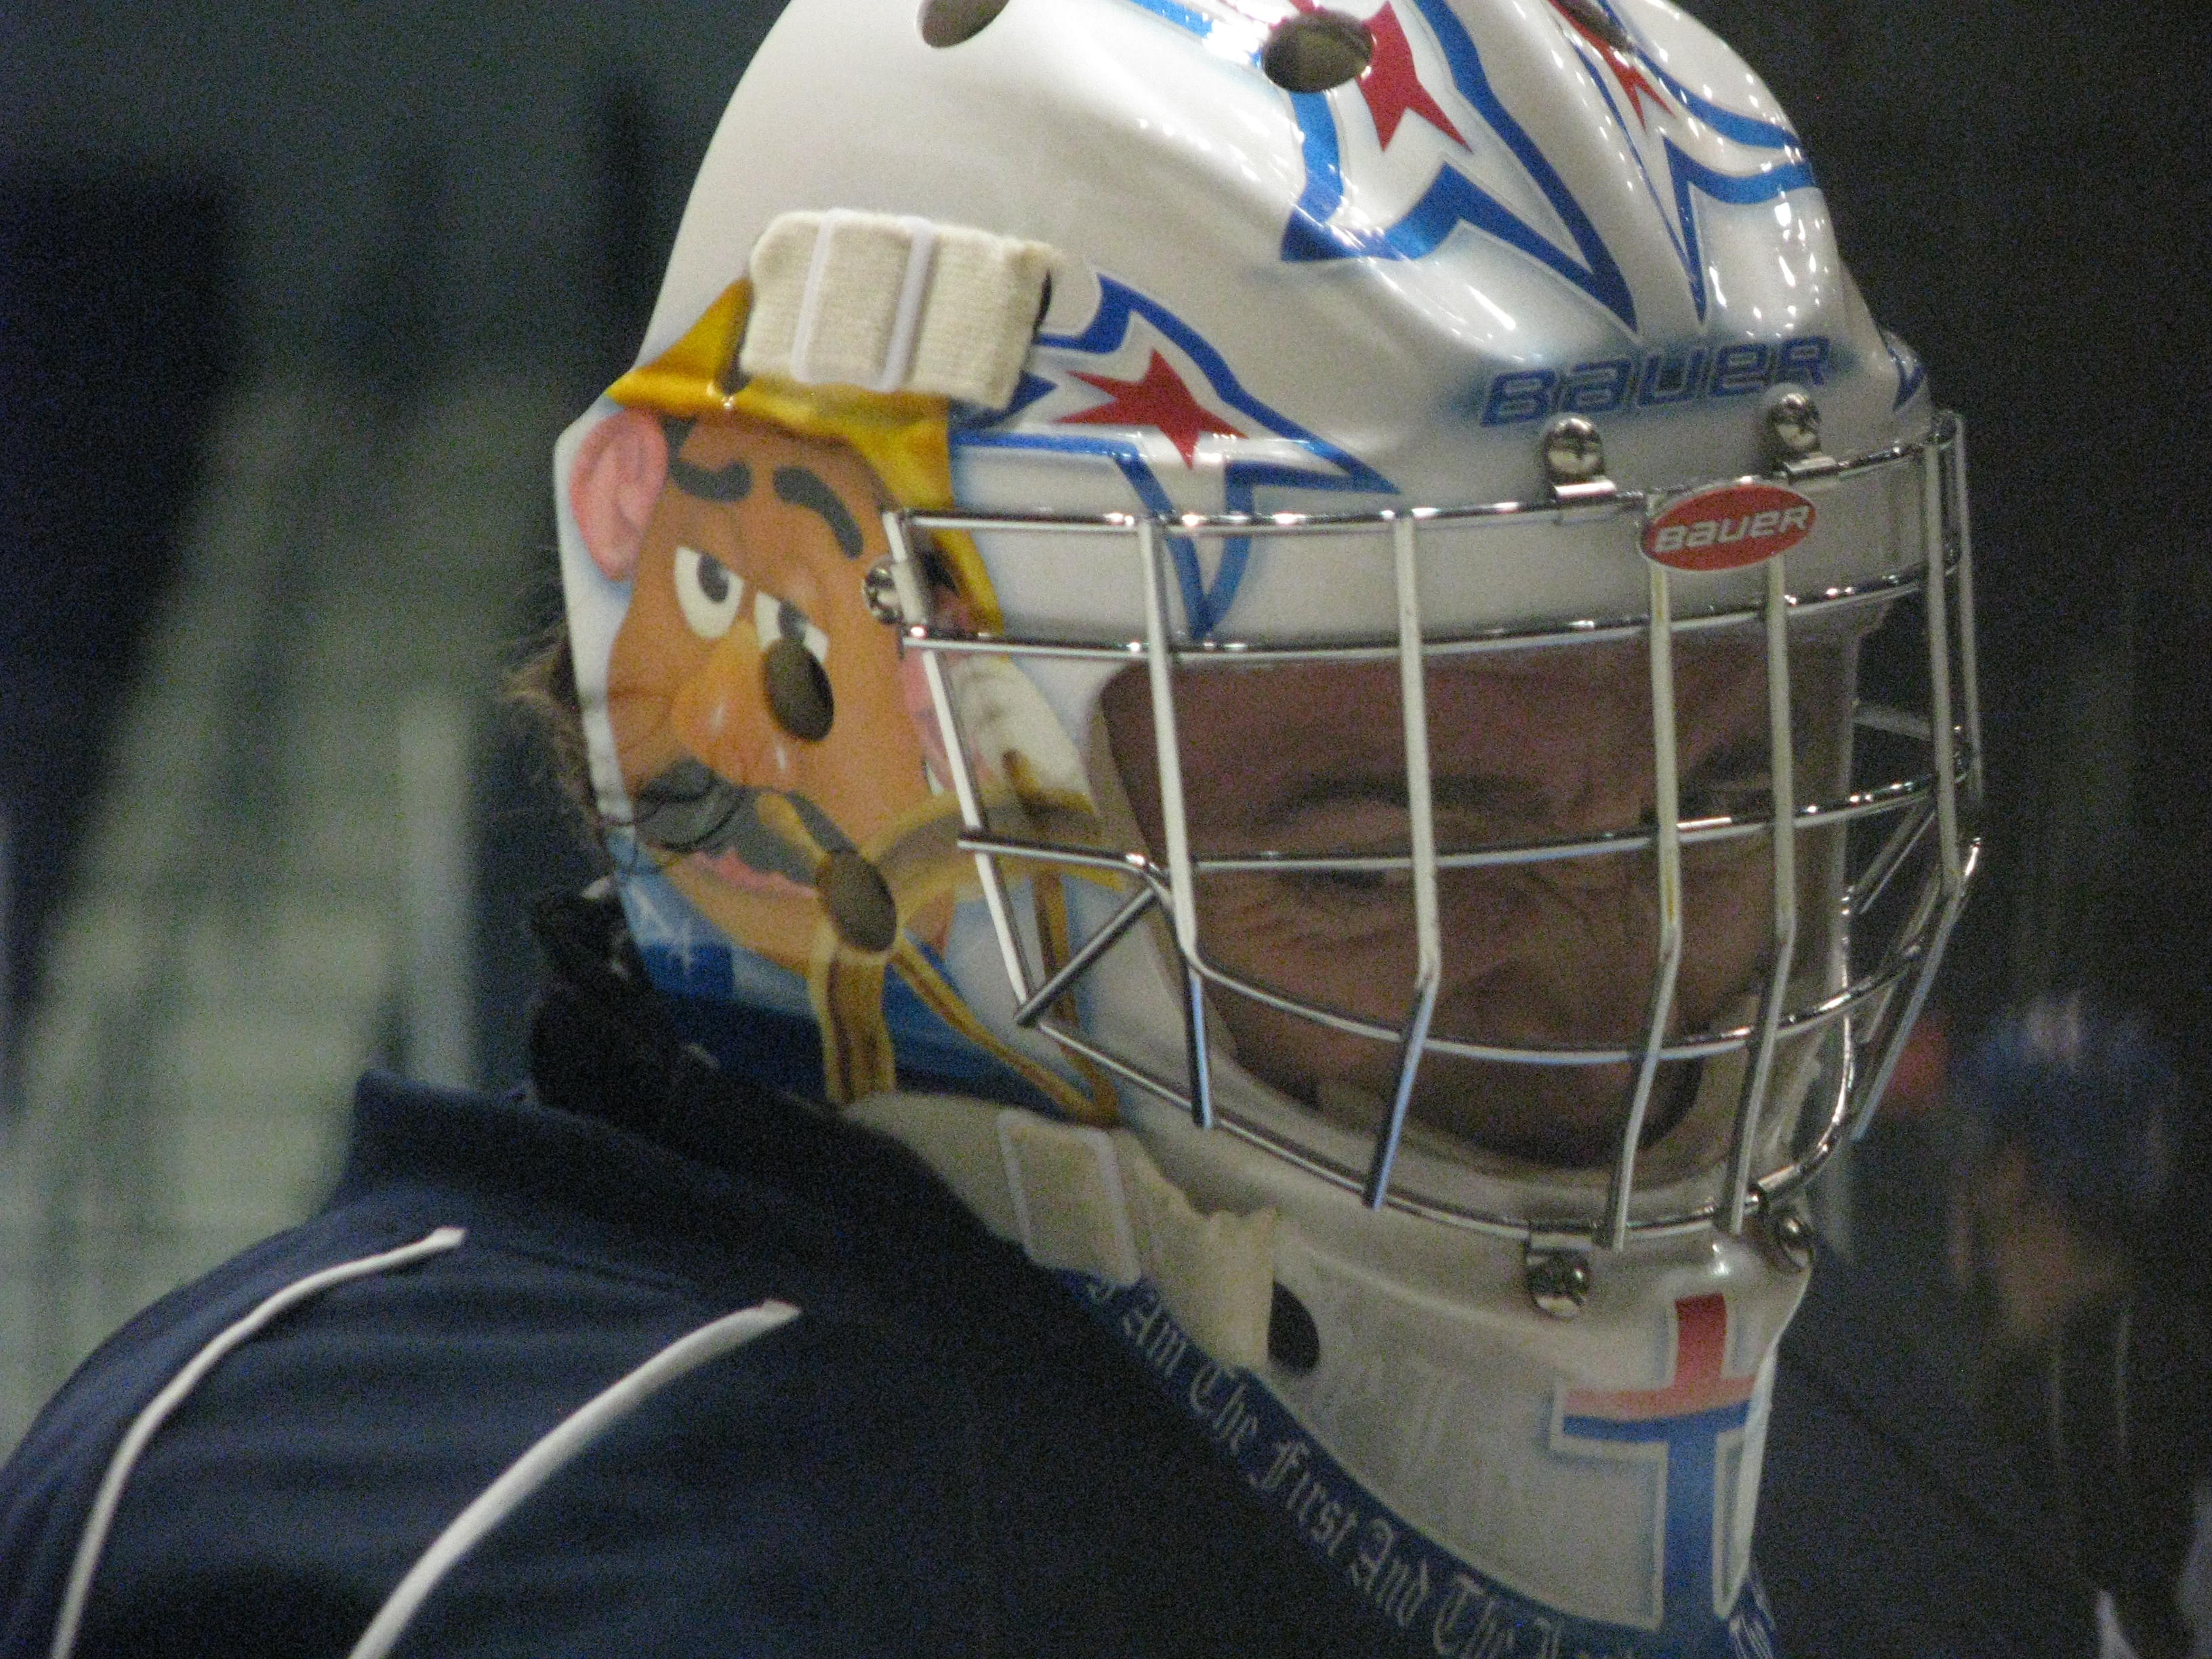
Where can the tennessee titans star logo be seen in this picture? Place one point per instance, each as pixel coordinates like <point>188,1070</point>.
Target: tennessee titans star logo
<point>1689,1428</point>
<point>1664,110</point>
<point>1140,388</point>
<point>1421,143</point>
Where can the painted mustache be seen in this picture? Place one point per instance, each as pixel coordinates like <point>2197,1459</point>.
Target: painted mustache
<point>690,808</point>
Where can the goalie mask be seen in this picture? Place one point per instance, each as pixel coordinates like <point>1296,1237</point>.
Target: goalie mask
<point>1324,655</point>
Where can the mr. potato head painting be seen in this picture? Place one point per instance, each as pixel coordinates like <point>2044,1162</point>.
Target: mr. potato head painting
<point>775,761</point>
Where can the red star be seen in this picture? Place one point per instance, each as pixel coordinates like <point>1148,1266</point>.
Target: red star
<point>1390,83</point>
<point>1160,400</point>
<point>1392,86</point>
<point>1625,70</point>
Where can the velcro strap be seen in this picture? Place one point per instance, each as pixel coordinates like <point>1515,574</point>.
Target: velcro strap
<point>1093,1201</point>
<point>893,304</point>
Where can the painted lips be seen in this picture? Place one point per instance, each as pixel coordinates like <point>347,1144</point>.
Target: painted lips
<point>1728,527</point>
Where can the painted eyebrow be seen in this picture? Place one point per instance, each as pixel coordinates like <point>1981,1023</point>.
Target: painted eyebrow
<point>733,482</point>
<point>800,488</point>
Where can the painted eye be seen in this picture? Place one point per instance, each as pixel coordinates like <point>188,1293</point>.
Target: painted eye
<point>706,592</point>
<point>780,619</point>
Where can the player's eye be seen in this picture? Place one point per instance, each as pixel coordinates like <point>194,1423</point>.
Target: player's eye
<point>1349,885</point>
<point>706,592</point>
<point>780,619</point>
<point>1735,783</point>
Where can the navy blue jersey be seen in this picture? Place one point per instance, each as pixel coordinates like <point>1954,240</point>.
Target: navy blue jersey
<point>940,1456</point>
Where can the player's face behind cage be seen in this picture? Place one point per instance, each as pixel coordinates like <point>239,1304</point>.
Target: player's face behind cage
<point>1534,751</point>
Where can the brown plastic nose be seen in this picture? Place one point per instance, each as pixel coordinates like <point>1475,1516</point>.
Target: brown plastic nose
<point>798,691</point>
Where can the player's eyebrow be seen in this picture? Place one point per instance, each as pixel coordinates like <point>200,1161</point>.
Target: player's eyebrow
<point>733,482</point>
<point>1479,793</point>
<point>800,488</point>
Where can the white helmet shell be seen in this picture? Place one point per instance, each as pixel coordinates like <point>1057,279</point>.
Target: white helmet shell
<point>1509,325</point>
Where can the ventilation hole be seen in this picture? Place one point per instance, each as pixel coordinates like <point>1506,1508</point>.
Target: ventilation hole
<point>798,691</point>
<point>860,906</point>
<point>1316,50</point>
<point>1293,1342</point>
<point>1599,21</point>
<point>948,22</point>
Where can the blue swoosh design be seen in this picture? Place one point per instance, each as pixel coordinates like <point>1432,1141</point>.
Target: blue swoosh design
<point>1118,306</point>
<point>1195,23</point>
<point>1688,175</point>
<point>1452,199</point>
<point>1746,129</point>
<point>1737,190</point>
<point>1911,371</point>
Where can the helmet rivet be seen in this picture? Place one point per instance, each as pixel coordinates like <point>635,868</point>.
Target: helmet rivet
<point>1793,1239</point>
<point>880,588</point>
<point>1558,1282</point>
<point>1793,420</point>
<point>1573,452</point>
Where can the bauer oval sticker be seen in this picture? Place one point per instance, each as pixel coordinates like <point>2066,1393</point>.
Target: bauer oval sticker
<point>1728,527</point>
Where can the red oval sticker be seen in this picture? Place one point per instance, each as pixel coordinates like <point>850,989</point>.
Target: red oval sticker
<point>1728,527</point>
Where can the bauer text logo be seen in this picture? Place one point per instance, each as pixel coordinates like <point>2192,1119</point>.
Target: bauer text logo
<point>1660,379</point>
<point>1728,527</point>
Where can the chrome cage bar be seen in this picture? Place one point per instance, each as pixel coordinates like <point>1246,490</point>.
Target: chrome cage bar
<point>1939,495</point>
<point>1889,996</point>
<point>1782,765</point>
<point>1667,847</point>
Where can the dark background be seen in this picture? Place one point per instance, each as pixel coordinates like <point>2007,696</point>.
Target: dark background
<point>2021,192</point>
<point>373,196</point>
<point>191,195</point>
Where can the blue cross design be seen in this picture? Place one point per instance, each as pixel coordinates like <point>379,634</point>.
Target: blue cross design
<point>1688,1418</point>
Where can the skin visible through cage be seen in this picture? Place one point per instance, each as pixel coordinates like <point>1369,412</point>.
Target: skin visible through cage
<point>1308,759</point>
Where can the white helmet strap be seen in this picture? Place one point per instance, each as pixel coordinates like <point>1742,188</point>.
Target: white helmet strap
<point>1093,1201</point>
<point>893,304</point>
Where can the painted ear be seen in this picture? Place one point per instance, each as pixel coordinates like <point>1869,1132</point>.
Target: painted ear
<point>619,472</point>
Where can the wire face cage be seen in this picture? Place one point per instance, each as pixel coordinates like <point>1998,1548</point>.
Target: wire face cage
<point>1480,862</point>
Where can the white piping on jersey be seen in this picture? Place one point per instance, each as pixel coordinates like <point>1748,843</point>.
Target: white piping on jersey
<point>148,1423</point>
<point>543,1460</point>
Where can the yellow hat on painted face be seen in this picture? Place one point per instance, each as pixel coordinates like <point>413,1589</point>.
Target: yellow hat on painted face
<point>863,329</point>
